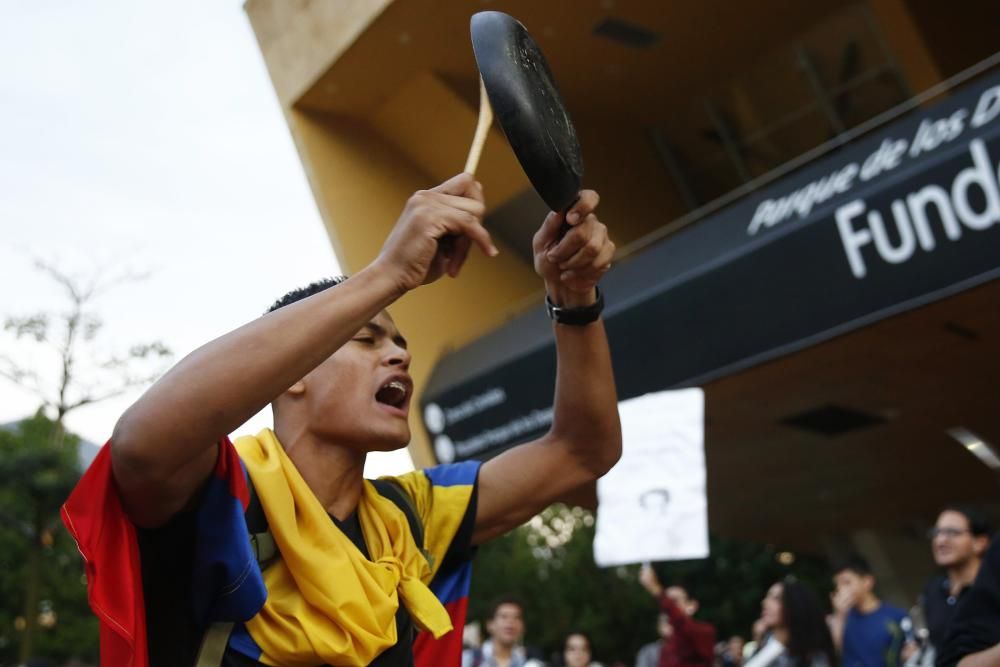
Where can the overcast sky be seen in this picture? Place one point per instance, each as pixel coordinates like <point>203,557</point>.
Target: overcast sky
<point>146,136</point>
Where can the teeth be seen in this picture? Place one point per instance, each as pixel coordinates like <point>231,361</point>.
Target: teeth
<point>393,392</point>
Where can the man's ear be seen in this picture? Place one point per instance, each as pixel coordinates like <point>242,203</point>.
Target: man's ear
<point>287,399</point>
<point>979,545</point>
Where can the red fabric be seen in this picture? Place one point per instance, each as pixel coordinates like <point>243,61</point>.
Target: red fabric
<point>94,516</point>
<point>229,467</point>
<point>106,538</point>
<point>692,643</point>
<point>430,652</point>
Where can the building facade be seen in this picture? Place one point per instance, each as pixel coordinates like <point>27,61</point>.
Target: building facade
<point>805,196</point>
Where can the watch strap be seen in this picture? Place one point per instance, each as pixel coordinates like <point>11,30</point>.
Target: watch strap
<point>576,317</point>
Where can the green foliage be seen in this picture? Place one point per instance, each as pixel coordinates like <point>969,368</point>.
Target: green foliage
<point>34,326</point>
<point>38,469</point>
<point>548,563</point>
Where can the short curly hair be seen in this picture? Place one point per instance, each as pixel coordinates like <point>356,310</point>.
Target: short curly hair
<point>304,292</point>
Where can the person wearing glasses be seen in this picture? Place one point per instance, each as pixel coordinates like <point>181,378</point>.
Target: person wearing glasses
<point>959,539</point>
<point>973,638</point>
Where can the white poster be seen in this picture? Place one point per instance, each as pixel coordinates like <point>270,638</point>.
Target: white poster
<point>652,504</point>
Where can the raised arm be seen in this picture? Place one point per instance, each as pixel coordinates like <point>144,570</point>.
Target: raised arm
<point>165,445</point>
<point>648,579</point>
<point>585,438</point>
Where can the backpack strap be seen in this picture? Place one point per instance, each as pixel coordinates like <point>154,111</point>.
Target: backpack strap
<point>391,489</point>
<point>261,540</point>
<point>213,645</point>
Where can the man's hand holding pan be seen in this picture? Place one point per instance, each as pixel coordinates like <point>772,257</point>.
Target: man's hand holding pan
<point>572,265</point>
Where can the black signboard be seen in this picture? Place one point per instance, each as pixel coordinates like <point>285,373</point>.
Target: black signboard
<point>907,215</point>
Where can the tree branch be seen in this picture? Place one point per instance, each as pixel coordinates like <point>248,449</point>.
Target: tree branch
<point>78,326</point>
<point>25,379</point>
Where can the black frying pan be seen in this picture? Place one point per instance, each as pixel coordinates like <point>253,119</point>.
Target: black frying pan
<point>528,107</point>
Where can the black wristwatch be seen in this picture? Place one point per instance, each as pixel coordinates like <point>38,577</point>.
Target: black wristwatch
<point>576,317</point>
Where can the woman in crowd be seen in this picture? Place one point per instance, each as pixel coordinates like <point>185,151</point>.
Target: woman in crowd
<point>576,651</point>
<point>797,632</point>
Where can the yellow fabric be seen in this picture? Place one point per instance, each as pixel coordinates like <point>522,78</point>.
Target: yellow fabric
<point>441,510</point>
<point>326,602</point>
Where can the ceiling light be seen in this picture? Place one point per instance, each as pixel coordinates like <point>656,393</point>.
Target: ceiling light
<point>976,445</point>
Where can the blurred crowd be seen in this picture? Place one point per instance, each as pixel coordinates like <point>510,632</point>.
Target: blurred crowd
<point>954,621</point>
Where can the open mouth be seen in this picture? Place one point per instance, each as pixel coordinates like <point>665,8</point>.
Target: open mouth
<point>394,393</point>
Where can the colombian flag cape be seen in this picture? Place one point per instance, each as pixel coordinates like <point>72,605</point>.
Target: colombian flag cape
<point>228,584</point>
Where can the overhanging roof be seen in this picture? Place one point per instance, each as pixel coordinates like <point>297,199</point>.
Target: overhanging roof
<point>727,293</point>
<point>716,299</point>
